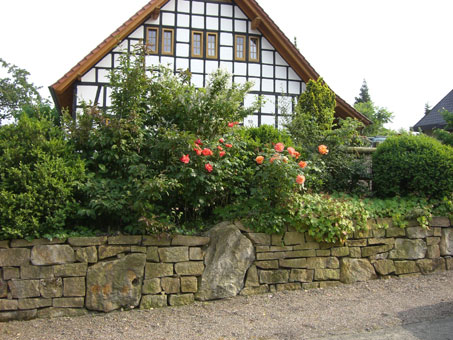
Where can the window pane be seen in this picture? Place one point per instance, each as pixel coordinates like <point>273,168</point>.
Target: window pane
<point>254,48</point>
<point>197,44</point>
<point>168,41</point>
<point>240,47</point>
<point>212,45</point>
<point>152,40</point>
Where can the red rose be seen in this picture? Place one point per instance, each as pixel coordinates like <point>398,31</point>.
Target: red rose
<point>221,140</point>
<point>185,159</point>
<point>222,153</point>
<point>198,142</point>
<point>219,148</point>
<point>229,145</point>
<point>207,152</point>
<point>230,124</point>
<point>208,167</point>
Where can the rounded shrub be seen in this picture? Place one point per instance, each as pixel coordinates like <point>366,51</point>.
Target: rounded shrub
<point>420,165</point>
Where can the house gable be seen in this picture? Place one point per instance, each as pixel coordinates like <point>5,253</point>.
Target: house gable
<point>434,118</point>
<point>277,69</point>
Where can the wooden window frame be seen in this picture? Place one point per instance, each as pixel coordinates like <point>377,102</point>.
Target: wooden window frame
<point>244,46</point>
<point>192,45</point>
<point>216,55</point>
<point>257,59</point>
<point>172,52</point>
<point>148,50</point>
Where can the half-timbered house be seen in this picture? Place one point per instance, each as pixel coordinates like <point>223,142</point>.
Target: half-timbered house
<point>201,36</point>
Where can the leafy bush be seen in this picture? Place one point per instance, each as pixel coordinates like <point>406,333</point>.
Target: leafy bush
<point>444,136</point>
<point>40,177</point>
<point>418,165</point>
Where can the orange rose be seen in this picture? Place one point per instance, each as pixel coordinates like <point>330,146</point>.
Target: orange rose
<point>259,159</point>
<point>279,147</point>
<point>302,164</point>
<point>291,151</point>
<point>207,152</point>
<point>297,155</point>
<point>323,150</point>
<point>300,179</point>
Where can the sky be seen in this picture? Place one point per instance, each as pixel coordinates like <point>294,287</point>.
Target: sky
<point>402,48</point>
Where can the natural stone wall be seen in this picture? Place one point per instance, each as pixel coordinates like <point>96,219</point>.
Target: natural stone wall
<point>71,277</point>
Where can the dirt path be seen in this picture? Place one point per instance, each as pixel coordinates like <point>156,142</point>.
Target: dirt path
<point>287,315</point>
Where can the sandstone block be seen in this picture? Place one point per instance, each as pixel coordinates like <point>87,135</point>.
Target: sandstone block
<point>301,275</point>
<point>36,272</point>
<point>190,241</point>
<point>406,267</point>
<point>34,303</point>
<point>327,274</point>
<point>181,300</point>
<point>55,312</point>
<point>439,221</point>
<point>249,291</point>
<point>433,252</point>
<point>323,252</point>
<point>174,254</point>
<point>384,267</point>
<point>87,241</point>
<point>194,268</point>
<point>431,265</point>
<point>381,240</point>
<point>316,262</point>
<point>274,276</point>
<point>74,286</point>
<point>270,256</point>
<point>189,284</point>
<point>395,232</point>
<point>373,250</point>
<point>293,263</point>
<point>70,270</point>
<point>293,238</point>
<point>273,264</point>
<point>437,231</point>
<point>36,242</point>
<point>153,270</point>
<point>446,242</point>
<point>151,286</point>
<point>14,257</point>
<point>379,232</point>
<point>356,243</point>
<point>449,262</point>
<point>310,285</point>
<point>329,284</point>
<point>416,232</point>
<point>340,251</point>
<point>152,254</point>
<point>307,245</point>
<point>19,315</point>
<point>70,302</point>
<point>4,244</point>
<point>21,289</point>
<point>355,252</point>
<point>153,301</point>
<point>157,240</point>
<point>52,254</point>
<point>252,279</point>
<point>288,286</point>
<point>110,251</point>
<point>276,240</point>
<point>8,305</point>
<point>408,249</point>
<point>138,249</point>
<point>362,233</point>
<point>50,288</point>
<point>280,248</point>
<point>195,254</point>
<point>125,239</point>
<point>10,273</point>
<point>300,253</point>
<point>431,241</point>
<point>170,285</point>
<point>356,270</point>
<point>3,289</point>
<point>87,254</point>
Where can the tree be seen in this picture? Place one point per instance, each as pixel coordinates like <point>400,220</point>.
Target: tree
<point>364,96</point>
<point>427,108</point>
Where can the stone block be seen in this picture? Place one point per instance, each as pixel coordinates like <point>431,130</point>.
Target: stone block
<point>170,285</point>
<point>362,233</point>
<point>138,249</point>
<point>152,254</point>
<point>174,254</point>
<point>153,270</point>
<point>151,286</point>
<point>332,263</point>
<point>51,288</point>
<point>406,267</point>
<point>251,279</point>
<point>446,242</point>
<point>288,286</point>
<point>21,289</point>
<point>384,267</point>
<point>355,252</point>
<point>189,284</point>
<point>273,264</point>
<point>270,256</point>
<point>310,285</point>
<point>431,241</point>
<point>14,257</point>
<point>259,238</point>
<point>249,291</point>
<point>55,312</point>
<point>87,241</point>
<point>293,238</point>
<point>300,253</point>
<point>6,305</point>
<point>70,302</point>
<point>125,239</point>
<point>356,270</point>
<point>395,232</point>
<point>282,248</point>
<point>157,240</point>
<point>4,244</point>
<point>449,263</point>
<point>416,232</point>
<point>293,263</point>
<point>301,275</point>
<point>87,254</point>
<point>181,299</point>
<point>74,286</point>
<point>19,315</point>
<point>316,262</point>
<point>439,221</point>
<point>70,270</point>
<point>192,268</point>
<point>379,232</point>
<point>340,251</point>
<point>373,250</point>
<point>408,249</point>
<point>34,303</point>
<point>277,240</point>
<point>263,249</point>
<point>43,255</point>
<point>3,289</point>
<point>323,252</point>
<point>110,251</point>
<point>437,231</point>
<point>10,273</point>
<point>381,240</point>
<point>190,241</point>
<point>36,272</point>
<point>356,243</point>
<point>384,222</point>
<point>433,252</point>
<point>196,254</point>
<point>274,276</point>
<point>431,265</point>
<point>327,274</point>
<point>153,301</point>
<point>329,284</point>
<point>36,242</point>
<point>307,245</point>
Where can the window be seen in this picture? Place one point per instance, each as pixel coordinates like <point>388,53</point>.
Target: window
<point>254,49</point>
<point>211,45</point>
<point>152,40</point>
<point>239,47</point>
<point>197,44</point>
<point>167,41</point>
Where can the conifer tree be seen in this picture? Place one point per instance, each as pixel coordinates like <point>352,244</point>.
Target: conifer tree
<point>364,96</point>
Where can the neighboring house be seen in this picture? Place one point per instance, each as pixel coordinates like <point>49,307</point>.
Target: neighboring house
<point>202,36</point>
<point>434,119</point>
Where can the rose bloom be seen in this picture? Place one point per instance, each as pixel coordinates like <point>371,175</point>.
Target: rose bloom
<point>221,140</point>
<point>274,157</point>
<point>222,153</point>
<point>323,150</point>
<point>279,147</point>
<point>229,145</point>
<point>231,124</point>
<point>297,155</point>
<point>219,148</point>
<point>303,164</point>
<point>291,151</point>
<point>198,142</point>
<point>259,159</point>
<point>300,179</point>
<point>207,152</point>
<point>208,167</point>
<point>185,159</point>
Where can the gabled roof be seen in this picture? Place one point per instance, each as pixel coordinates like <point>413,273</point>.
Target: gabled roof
<point>434,118</point>
<point>62,90</point>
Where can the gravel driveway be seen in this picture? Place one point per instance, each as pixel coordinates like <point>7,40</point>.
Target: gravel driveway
<point>309,314</point>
